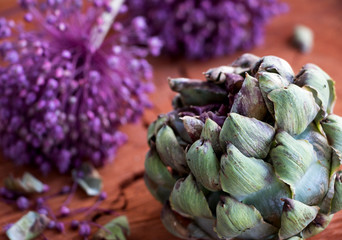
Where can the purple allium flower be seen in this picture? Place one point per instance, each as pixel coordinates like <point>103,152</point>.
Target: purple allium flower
<point>64,89</point>
<point>51,224</point>
<point>103,196</point>
<point>84,230</point>
<point>74,224</point>
<point>42,211</point>
<point>23,203</point>
<point>207,28</point>
<point>64,211</point>
<point>60,227</point>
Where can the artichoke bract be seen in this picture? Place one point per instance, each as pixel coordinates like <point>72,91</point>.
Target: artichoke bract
<point>253,152</point>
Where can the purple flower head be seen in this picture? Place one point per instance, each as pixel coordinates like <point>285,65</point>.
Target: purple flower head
<point>84,230</point>
<point>51,225</point>
<point>64,211</point>
<point>206,28</point>
<point>23,203</point>
<point>66,87</point>
<point>74,224</point>
<point>60,227</point>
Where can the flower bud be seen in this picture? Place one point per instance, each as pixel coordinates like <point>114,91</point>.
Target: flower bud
<point>303,38</point>
<point>23,203</point>
<point>84,230</point>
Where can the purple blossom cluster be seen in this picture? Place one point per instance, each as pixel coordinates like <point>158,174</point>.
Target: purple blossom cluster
<point>64,91</point>
<point>207,28</point>
<point>41,205</point>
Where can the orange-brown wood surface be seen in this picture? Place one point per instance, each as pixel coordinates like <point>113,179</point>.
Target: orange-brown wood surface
<point>123,178</point>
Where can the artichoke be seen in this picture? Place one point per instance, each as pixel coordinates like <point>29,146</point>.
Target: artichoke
<point>253,152</point>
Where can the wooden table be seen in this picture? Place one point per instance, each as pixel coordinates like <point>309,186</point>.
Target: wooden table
<point>124,176</point>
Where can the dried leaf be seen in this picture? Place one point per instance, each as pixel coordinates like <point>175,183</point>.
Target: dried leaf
<point>88,178</point>
<point>116,229</point>
<point>28,227</point>
<point>27,184</point>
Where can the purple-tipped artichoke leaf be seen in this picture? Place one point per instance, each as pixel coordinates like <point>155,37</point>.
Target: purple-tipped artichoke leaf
<point>317,225</point>
<point>246,60</point>
<point>295,217</point>
<point>193,127</point>
<point>198,92</point>
<point>249,101</point>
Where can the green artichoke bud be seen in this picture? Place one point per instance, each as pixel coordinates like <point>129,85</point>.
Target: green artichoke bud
<point>303,38</point>
<point>253,152</point>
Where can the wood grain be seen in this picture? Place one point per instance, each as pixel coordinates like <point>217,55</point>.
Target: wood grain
<point>324,17</point>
